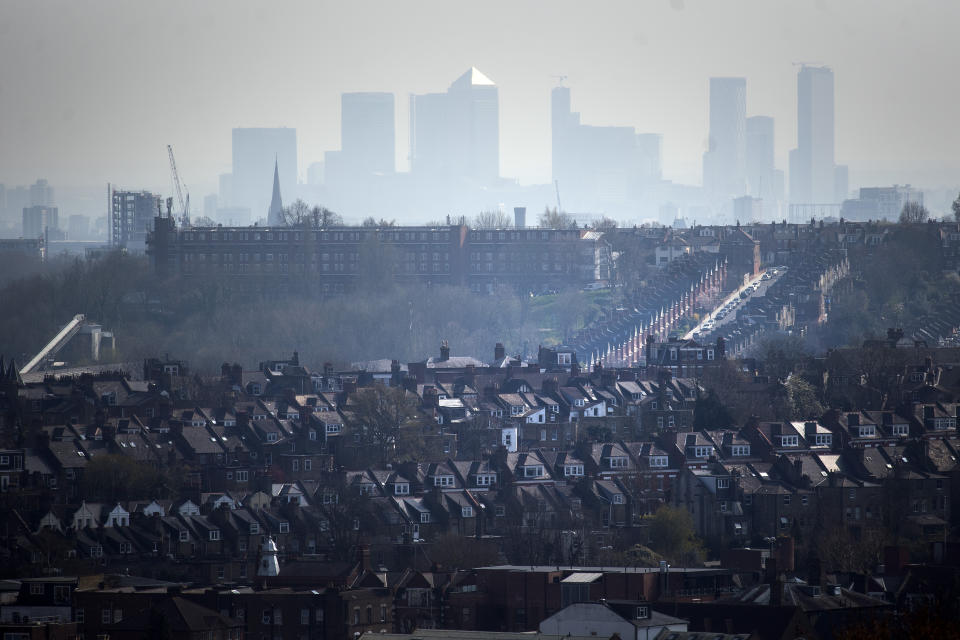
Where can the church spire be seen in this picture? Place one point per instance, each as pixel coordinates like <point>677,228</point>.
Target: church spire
<point>275,214</point>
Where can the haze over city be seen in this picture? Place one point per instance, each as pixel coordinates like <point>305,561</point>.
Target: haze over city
<point>445,320</point>
<point>93,92</point>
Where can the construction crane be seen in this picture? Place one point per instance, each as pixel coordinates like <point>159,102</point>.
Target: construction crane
<point>556,183</point>
<point>180,189</point>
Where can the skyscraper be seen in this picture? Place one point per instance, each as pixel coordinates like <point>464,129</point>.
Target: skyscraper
<point>599,167</point>
<point>253,152</point>
<point>367,132</point>
<point>812,162</point>
<point>41,194</point>
<point>724,161</point>
<point>760,168</point>
<point>456,135</point>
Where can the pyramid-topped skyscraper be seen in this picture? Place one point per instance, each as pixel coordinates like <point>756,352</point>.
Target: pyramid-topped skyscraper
<point>275,213</point>
<point>455,136</point>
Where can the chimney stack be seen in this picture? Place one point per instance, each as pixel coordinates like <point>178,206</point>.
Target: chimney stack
<point>499,352</point>
<point>444,351</point>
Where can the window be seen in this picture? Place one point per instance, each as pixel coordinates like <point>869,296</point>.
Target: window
<point>267,616</point>
<point>424,518</point>
<point>804,500</point>
<point>573,470</point>
<point>486,479</point>
<point>184,535</point>
<point>659,461</point>
<point>500,511</point>
<point>786,499</point>
<point>284,527</point>
<point>356,615</point>
<point>304,616</point>
<point>723,483</point>
<point>723,505</point>
<point>789,441</point>
<point>824,439</point>
<point>242,476</point>
<point>401,488</point>
<point>443,481</point>
<point>36,589</point>
<point>618,498</point>
<point>618,462</point>
<point>214,534</point>
<point>533,471</point>
<point>79,616</point>
<point>383,613</point>
<point>106,615</point>
<point>466,512</point>
<point>740,450</point>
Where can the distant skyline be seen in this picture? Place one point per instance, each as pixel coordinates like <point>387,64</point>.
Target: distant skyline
<point>92,92</point>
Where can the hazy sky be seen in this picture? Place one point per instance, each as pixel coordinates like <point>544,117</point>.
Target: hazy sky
<point>92,91</point>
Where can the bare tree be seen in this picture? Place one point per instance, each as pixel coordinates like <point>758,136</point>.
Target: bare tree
<point>956,209</point>
<point>913,212</point>
<point>492,220</point>
<point>605,224</point>
<point>300,214</point>
<point>378,413</point>
<point>555,219</point>
<point>372,222</point>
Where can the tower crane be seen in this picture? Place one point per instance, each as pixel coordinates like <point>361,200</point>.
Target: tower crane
<point>180,189</point>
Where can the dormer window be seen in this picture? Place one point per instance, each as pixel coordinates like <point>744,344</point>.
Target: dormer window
<point>789,441</point>
<point>702,452</point>
<point>579,402</point>
<point>254,528</point>
<point>273,436</point>
<point>533,471</point>
<point>485,479</point>
<point>516,410</point>
<point>443,481</point>
<point>618,462</point>
<point>466,512</point>
<point>867,431</point>
<point>401,489</point>
<point>901,430</point>
<point>643,612</point>
<point>573,470</point>
<point>824,439</point>
<point>618,498</point>
<point>740,450</point>
<point>659,461</point>
<point>424,518</point>
<point>564,359</point>
<point>723,483</point>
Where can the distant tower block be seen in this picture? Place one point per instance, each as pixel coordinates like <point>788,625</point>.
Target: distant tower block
<point>520,217</point>
<point>269,565</point>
